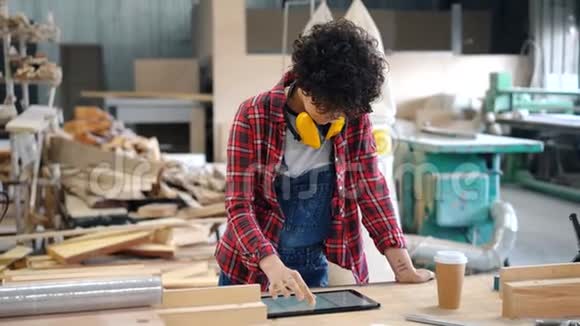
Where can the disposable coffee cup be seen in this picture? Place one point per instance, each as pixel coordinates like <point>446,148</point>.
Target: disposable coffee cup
<point>450,272</point>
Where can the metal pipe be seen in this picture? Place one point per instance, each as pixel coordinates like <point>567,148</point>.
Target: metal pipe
<point>480,259</point>
<point>75,296</point>
<point>527,180</point>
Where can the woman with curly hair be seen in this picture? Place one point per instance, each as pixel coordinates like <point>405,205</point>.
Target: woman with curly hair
<point>301,163</point>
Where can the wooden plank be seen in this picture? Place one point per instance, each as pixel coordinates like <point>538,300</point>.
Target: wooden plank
<point>157,210</point>
<point>124,317</point>
<point>555,298</point>
<point>151,250</point>
<point>218,209</point>
<point>83,269</point>
<point>195,234</point>
<point>195,269</point>
<point>12,255</point>
<point>208,280</point>
<point>81,275</point>
<point>44,262</point>
<point>538,272</point>
<point>210,296</point>
<point>161,235</point>
<point>162,95</point>
<point>76,252</point>
<point>148,225</point>
<point>78,208</point>
<point>236,314</point>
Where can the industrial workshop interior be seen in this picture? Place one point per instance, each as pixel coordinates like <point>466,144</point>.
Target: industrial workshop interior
<point>289,162</point>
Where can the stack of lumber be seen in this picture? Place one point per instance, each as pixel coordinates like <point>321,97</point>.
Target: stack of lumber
<point>177,249</point>
<point>542,291</point>
<point>232,305</point>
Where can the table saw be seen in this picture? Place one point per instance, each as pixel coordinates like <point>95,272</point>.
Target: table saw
<point>447,185</point>
<point>547,115</point>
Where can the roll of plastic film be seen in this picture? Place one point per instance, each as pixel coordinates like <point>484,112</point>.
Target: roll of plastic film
<point>75,296</point>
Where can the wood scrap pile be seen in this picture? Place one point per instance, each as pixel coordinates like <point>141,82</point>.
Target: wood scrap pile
<point>93,126</point>
<point>20,26</point>
<point>108,166</point>
<point>36,68</point>
<point>175,249</point>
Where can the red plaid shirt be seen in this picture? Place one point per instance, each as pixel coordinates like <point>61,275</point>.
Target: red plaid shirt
<point>255,219</point>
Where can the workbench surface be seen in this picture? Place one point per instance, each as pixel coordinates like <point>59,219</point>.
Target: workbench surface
<point>560,123</point>
<point>480,306</point>
<point>483,143</point>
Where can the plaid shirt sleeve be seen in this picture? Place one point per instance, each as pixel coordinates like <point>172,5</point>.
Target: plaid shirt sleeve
<point>374,201</point>
<point>240,180</point>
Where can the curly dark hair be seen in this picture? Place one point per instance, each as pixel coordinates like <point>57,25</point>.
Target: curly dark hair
<point>339,66</point>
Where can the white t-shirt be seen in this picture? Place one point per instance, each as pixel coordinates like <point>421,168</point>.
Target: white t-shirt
<point>302,158</point>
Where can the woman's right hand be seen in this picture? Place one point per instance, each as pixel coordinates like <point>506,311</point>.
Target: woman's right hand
<point>285,281</point>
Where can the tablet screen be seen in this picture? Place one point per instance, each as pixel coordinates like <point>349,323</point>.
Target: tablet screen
<point>326,302</point>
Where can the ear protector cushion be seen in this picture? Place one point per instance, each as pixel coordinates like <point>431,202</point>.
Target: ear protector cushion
<point>306,128</point>
<point>335,128</point>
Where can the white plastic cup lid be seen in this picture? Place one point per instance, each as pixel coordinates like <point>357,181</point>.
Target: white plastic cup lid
<point>450,257</point>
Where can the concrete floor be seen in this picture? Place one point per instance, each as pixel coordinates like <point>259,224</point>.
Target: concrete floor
<point>546,234</point>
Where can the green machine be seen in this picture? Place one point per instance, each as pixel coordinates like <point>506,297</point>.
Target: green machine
<point>546,115</point>
<point>447,184</point>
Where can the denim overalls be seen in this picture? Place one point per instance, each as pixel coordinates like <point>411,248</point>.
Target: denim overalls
<point>306,203</point>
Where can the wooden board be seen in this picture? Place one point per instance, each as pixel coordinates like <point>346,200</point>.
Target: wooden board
<point>78,251</point>
<point>82,275</point>
<point>555,298</point>
<point>148,225</point>
<point>211,296</point>
<point>157,210</point>
<point>236,314</point>
<point>210,279</point>
<point>125,317</point>
<point>151,250</point>
<point>44,262</point>
<point>538,272</point>
<point>194,269</point>
<point>162,235</point>
<point>218,209</point>
<point>195,234</point>
<point>12,255</point>
<point>66,270</point>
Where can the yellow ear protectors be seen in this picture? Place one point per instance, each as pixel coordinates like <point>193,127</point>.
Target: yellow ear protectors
<point>307,131</point>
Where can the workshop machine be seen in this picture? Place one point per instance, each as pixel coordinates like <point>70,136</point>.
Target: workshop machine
<point>448,183</point>
<point>546,115</point>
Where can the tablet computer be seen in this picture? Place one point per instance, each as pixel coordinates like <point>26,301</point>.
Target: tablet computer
<point>326,302</point>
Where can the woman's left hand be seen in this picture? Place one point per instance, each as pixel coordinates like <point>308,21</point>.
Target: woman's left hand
<point>403,267</point>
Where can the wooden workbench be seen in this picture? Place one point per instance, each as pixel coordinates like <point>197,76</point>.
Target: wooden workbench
<point>480,306</point>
